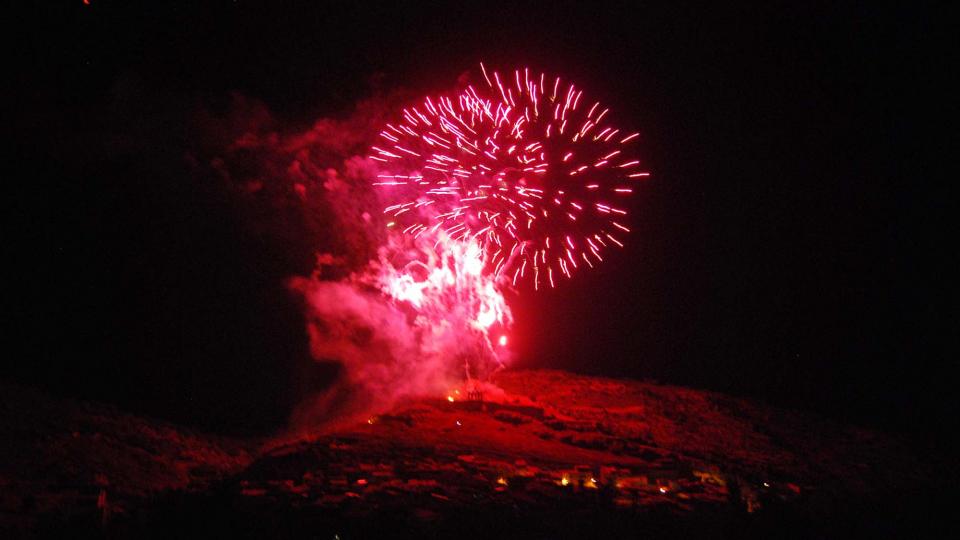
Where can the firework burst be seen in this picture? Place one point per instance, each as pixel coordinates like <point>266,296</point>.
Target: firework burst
<point>443,281</point>
<point>523,164</point>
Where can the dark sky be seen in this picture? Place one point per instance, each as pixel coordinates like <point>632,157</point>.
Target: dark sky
<point>791,245</point>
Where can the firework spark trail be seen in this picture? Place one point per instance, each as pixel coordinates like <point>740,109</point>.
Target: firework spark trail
<point>413,322</point>
<point>442,280</point>
<point>523,165</point>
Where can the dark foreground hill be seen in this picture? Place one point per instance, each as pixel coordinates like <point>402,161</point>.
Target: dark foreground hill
<point>540,454</point>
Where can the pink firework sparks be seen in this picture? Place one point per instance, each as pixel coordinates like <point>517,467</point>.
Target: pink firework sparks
<point>523,164</point>
<point>443,281</point>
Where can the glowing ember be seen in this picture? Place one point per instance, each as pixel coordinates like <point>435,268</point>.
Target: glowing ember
<point>521,165</point>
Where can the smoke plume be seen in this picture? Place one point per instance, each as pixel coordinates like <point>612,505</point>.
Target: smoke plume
<point>400,316</point>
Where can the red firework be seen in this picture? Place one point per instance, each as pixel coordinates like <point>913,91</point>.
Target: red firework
<point>523,165</point>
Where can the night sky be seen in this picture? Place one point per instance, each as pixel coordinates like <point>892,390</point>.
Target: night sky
<point>791,244</point>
